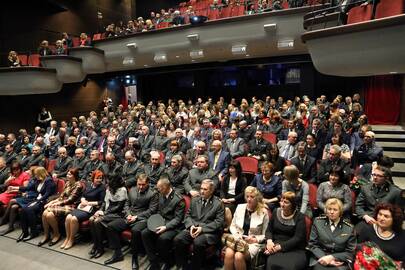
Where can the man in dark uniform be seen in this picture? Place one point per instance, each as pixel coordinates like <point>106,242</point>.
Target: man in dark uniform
<point>141,204</point>
<point>131,169</point>
<point>94,164</point>
<point>177,174</point>
<point>379,191</point>
<point>146,141</point>
<point>154,169</point>
<point>63,163</point>
<point>333,160</point>
<point>158,243</point>
<point>9,154</point>
<point>79,161</point>
<point>111,167</point>
<point>204,223</point>
<point>197,175</point>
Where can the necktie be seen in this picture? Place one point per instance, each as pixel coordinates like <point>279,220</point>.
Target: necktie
<point>287,151</point>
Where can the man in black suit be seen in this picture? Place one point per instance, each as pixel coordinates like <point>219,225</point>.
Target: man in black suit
<point>36,159</point>
<point>333,160</point>
<point>258,147</point>
<point>11,139</point>
<point>245,132</point>
<point>63,164</point>
<point>141,204</point>
<point>154,169</point>
<point>79,161</point>
<point>145,141</point>
<point>112,147</point>
<point>94,164</point>
<point>197,175</point>
<point>158,243</point>
<point>111,167</point>
<point>204,223</point>
<point>317,130</point>
<point>291,126</point>
<point>177,174</point>
<point>183,141</point>
<point>305,164</point>
<point>131,169</point>
<point>9,154</point>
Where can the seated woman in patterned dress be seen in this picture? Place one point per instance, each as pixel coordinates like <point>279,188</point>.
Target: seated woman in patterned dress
<point>61,207</point>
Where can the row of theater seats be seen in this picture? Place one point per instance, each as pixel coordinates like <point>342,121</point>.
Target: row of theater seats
<point>385,8</point>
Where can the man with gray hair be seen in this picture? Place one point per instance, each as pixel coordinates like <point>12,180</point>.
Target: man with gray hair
<point>197,175</point>
<point>131,169</point>
<point>369,151</point>
<point>154,169</point>
<point>63,163</point>
<point>287,148</point>
<point>333,160</point>
<point>177,174</point>
<point>36,159</point>
<point>204,222</point>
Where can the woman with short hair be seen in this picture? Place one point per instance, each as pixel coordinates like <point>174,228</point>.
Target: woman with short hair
<point>332,241</point>
<point>268,184</point>
<point>249,223</point>
<point>286,236</point>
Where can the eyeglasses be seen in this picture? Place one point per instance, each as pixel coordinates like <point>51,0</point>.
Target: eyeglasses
<point>377,175</point>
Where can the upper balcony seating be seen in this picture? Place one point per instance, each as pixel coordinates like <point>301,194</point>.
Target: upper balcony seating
<point>360,14</point>
<point>387,8</point>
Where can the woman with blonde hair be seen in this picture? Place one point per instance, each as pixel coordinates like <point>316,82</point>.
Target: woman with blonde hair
<point>249,224</point>
<point>286,236</point>
<point>13,60</point>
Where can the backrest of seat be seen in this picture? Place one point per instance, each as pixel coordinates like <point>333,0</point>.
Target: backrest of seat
<point>270,137</point>
<point>23,59</point>
<point>312,196</point>
<point>360,14</point>
<point>249,164</point>
<point>308,225</point>
<point>33,60</point>
<point>187,201</point>
<point>387,8</point>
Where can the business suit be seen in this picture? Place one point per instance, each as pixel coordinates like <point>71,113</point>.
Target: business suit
<point>139,204</point>
<point>9,157</point>
<point>112,169</point>
<point>177,177</point>
<point>51,151</point>
<point>62,166</point>
<point>4,174</point>
<point>191,155</point>
<point>327,164</point>
<point>246,134</point>
<point>35,160</point>
<point>211,219</point>
<point>221,167</point>
<point>79,164</point>
<point>172,211</point>
<point>258,148</point>
<point>116,150</point>
<point>160,143</point>
<point>236,147</point>
<point>284,146</point>
<point>283,135</point>
<point>153,173</point>
<point>28,214</point>
<point>320,136</point>
<point>195,177</point>
<point>367,153</point>
<point>307,168</point>
<point>130,171</point>
<point>184,144</point>
<point>339,243</point>
<point>90,167</point>
<point>146,144</point>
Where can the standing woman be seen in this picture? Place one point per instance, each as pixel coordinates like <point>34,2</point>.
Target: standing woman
<point>249,223</point>
<point>44,118</point>
<point>233,186</point>
<point>61,207</point>
<point>332,241</point>
<point>286,236</point>
<point>111,209</point>
<point>91,201</point>
<point>269,185</point>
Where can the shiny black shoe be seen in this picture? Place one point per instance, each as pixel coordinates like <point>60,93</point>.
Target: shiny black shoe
<point>52,243</point>
<point>41,243</point>
<point>8,230</point>
<point>114,259</point>
<point>98,254</point>
<point>135,264</point>
<point>30,237</point>
<point>92,251</point>
<point>21,237</point>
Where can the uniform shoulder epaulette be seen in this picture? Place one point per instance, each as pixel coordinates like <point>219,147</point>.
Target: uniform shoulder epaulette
<point>347,223</point>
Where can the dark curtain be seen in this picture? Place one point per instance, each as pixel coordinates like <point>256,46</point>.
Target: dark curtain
<point>382,99</point>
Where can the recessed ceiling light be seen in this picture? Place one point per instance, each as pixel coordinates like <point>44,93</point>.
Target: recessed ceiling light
<point>192,60</point>
<point>177,56</point>
<point>145,65</point>
<point>393,72</point>
<point>247,55</point>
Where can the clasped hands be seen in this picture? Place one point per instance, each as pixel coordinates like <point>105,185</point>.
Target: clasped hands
<point>329,260</point>
<point>271,247</point>
<point>195,231</point>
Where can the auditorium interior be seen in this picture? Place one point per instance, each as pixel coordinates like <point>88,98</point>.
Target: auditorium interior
<point>199,56</point>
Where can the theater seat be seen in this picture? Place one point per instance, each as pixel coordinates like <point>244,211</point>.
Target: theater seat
<point>249,164</point>
<point>60,185</point>
<point>163,25</point>
<point>387,8</point>
<point>51,165</point>
<point>238,11</point>
<point>23,59</point>
<point>226,12</point>
<point>213,14</point>
<point>360,14</point>
<point>285,5</point>
<point>76,42</point>
<point>270,137</point>
<point>308,224</point>
<point>312,196</point>
<point>96,36</point>
<point>33,60</point>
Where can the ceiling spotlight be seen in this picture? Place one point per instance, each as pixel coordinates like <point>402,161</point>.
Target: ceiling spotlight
<point>270,27</point>
<point>239,49</point>
<point>132,45</point>
<point>177,56</point>
<point>193,37</point>
<point>197,54</point>
<point>128,61</point>
<point>160,58</point>
<point>285,44</point>
<point>145,65</point>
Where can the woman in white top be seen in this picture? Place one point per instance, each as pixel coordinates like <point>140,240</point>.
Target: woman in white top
<point>249,223</point>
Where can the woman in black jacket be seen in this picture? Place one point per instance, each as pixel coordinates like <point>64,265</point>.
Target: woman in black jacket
<point>233,186</point>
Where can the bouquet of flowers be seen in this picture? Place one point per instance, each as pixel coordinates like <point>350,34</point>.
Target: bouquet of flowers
<point>356,184</point>
<point>371,257</point>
